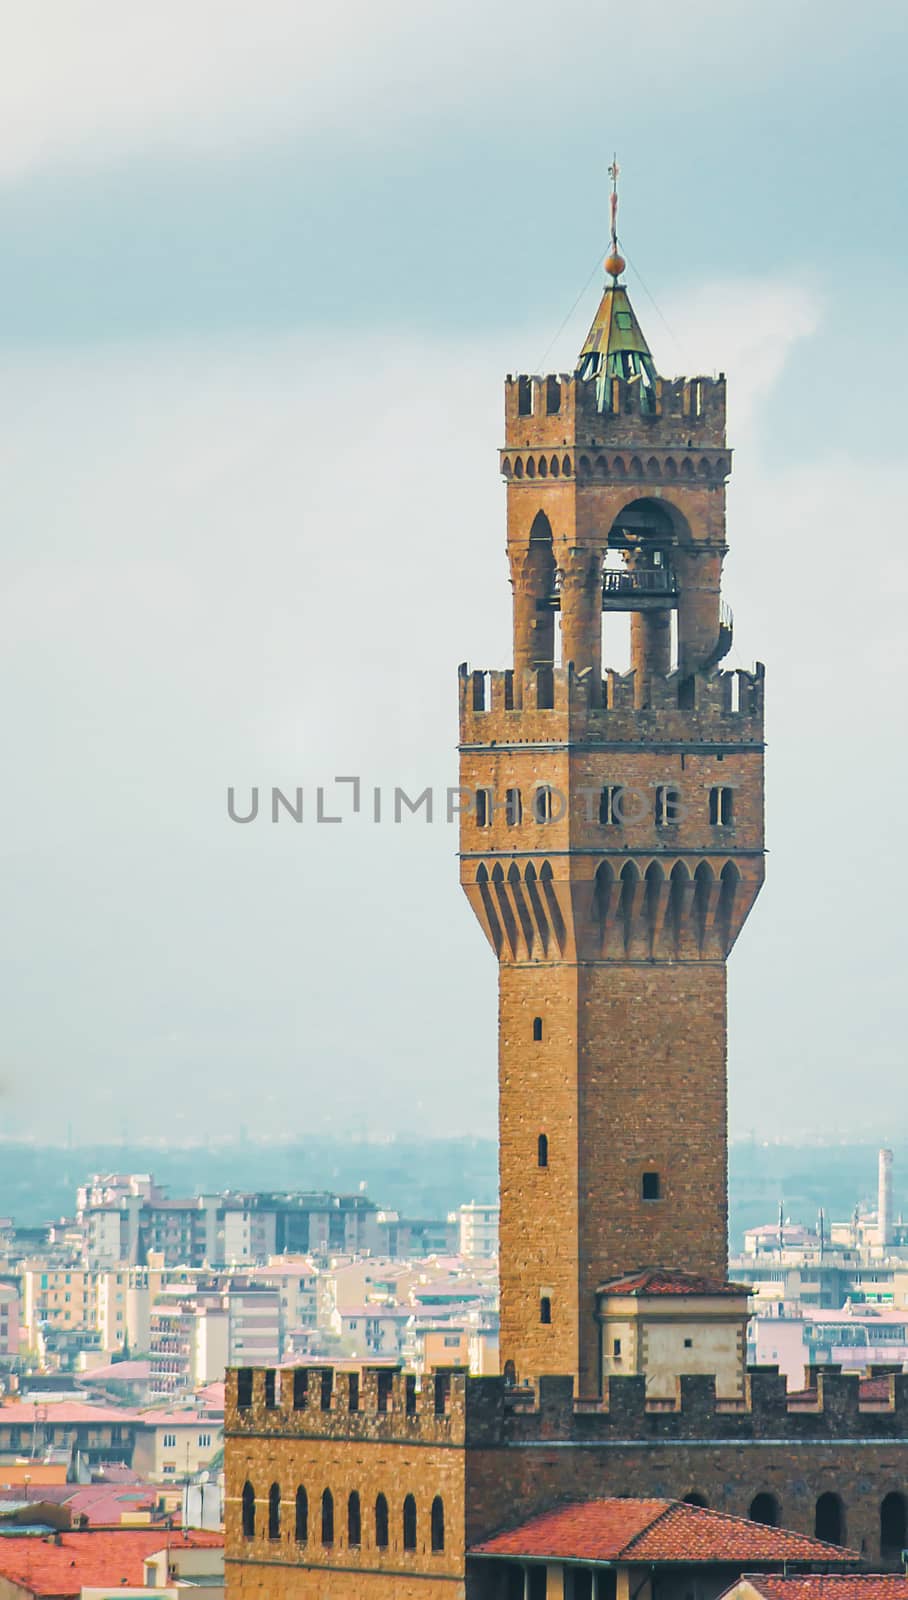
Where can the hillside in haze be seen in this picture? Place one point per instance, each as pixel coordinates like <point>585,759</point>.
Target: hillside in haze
<point>426,1178</point>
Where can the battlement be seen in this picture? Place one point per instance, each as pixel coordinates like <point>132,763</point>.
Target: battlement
<point>354,1402</point>
<point>557,408</point>
<point>449,1407</point>
<point>716,708</point>
<point>833,1410</point>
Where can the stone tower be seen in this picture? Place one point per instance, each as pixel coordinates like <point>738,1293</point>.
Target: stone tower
<point>612,841</point>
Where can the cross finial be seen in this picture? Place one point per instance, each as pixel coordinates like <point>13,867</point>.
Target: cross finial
<point>614,261</point>
<point>614,173</point>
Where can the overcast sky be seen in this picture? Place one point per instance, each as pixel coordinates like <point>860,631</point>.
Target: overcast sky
<point>262,271</point>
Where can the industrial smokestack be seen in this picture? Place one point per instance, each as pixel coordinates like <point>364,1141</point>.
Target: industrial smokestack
<point>884,1203</point>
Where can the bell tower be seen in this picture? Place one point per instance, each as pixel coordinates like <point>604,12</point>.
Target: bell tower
<point>612,843</point>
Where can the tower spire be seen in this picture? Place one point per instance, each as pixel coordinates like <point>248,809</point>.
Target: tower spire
<point>615,346</point>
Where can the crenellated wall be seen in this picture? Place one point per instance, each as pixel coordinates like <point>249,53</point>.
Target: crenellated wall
<point>498,1455</point>
<point>685,409</point>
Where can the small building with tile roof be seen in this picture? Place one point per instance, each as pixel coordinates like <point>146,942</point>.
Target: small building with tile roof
<point>661,1323</point>
<point>60,1567</point>
<point>617,1549</point>
<point>819,1586</point>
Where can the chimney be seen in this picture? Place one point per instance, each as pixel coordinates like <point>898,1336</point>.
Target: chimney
<point>884,1203</point>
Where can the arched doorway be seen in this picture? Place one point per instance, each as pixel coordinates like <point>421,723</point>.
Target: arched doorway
<point>764,1508</point>
<point>829,1519</point>
<point>893,1526</point>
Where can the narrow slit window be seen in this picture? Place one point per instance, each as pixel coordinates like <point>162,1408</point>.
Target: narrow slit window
<point>409,1523</point>
<point>537,1029</point>
<point>668,806</point>
<point>327,1518</point>
<point>381,1523</point>
<point>651,1188</point>
<point>545,1309</point>
<point>616,1347</point>
<point>513,808</point>
<point>542,1150</point>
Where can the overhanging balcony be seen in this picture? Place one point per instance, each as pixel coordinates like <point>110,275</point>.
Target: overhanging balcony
<point>629,589</point>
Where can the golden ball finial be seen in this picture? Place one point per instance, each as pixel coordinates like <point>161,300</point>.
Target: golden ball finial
<point>615,264</point>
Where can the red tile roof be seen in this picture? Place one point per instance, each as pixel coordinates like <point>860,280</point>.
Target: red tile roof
<point>653,1280</point>
<point>66,1412</point>
<point>832,1586</point>
<point>95,1560</point>
<point>655,1530</point>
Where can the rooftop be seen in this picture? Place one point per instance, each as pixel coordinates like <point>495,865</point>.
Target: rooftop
<point>830,1586</point>
<point>656,1281</point>
<point>62,1565</point>
<point>632,1531</point>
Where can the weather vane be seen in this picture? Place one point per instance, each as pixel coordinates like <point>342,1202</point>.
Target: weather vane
<point>614,261</point>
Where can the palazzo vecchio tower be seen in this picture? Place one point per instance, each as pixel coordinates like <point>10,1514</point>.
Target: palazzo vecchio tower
<point>611,850</point>
<point>615,846</point>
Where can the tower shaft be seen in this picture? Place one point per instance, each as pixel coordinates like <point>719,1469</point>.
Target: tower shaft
<point>614,848</point>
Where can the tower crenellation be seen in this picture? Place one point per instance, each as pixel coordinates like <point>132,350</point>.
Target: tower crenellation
<point>558,408</point>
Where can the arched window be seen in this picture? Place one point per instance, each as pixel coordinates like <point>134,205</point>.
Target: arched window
<point>829,1519</point>
<point>542,1150</point>
<point>302,1516</point>
<point>893,1526</point>
<point>509,1374</point>
<point>248,1511</point>
<point>542,794</point>
<point>409,1523</point>
<point>722,806</point>
<point>764,1508</point>
<point>274,1511</point>
<point>381,1523</point>
<point>537,1029</point>
<point>438,1524</point>
<point>354,1520</point>
<point>694,1498</point>
<point>327,1517</point>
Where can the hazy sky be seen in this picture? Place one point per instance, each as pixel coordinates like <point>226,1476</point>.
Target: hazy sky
<point>262,271</point>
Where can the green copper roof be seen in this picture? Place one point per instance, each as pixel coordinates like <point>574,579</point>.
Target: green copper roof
<point>615,328</point>
<point>615,348</point>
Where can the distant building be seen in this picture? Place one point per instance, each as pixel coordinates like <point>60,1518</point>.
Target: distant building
<point>478,1231</point>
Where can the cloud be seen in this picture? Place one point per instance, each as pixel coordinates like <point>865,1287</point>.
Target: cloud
<point>100,81</point>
